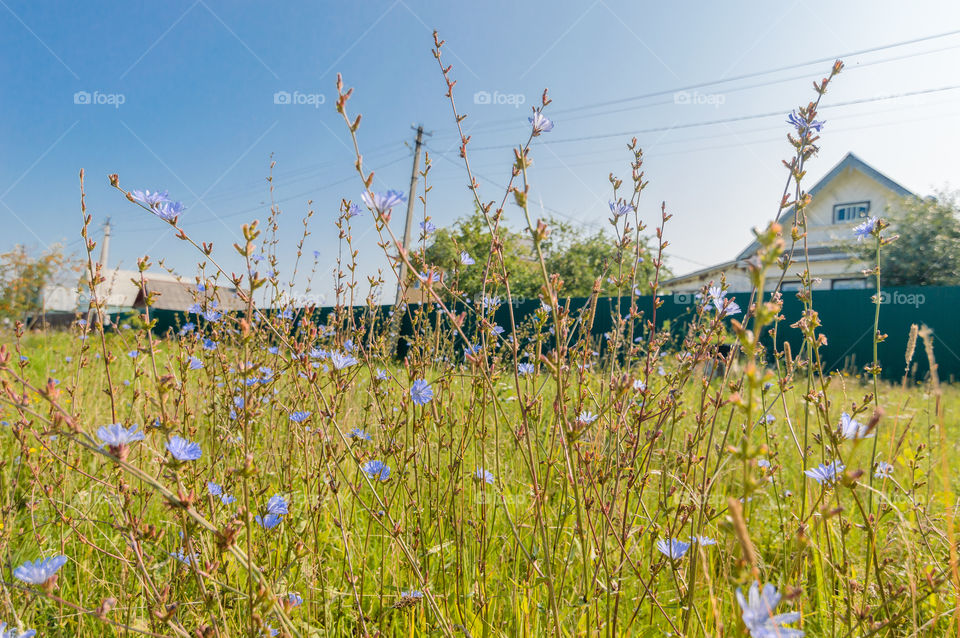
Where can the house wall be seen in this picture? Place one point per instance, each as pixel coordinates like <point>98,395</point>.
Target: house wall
<point>849,186</point>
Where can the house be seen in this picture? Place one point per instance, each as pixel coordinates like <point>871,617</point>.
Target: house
<point>847,195</point>
<point>172,293</point>
<point>121,291</point>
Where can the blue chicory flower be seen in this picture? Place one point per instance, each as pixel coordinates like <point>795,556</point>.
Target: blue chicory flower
<point>376,470</point>
<point>672,548</point>
<point>115,435</point>
<point>541,123</point>
<point>421,392</point>
<point>39,571</point>
<point>183,450</point>
<point>758,613</point>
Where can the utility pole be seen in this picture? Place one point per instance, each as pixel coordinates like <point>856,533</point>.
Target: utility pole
<point>105,248</point>
<point>104,256</point>
<point>411,198</point>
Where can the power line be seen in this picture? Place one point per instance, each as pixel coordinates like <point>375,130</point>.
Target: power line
<point>742,118</point>
<point>607,151</point>
<point>754,74</point>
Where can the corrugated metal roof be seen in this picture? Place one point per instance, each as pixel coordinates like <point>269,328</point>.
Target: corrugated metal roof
<point>180,295</point>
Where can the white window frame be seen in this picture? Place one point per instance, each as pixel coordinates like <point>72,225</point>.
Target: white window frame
<point>862,213</point>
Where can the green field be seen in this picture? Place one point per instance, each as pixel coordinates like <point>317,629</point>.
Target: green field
<point>559,539</point>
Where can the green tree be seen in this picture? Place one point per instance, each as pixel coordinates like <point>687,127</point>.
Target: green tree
<point>23,278</point>
<point>578,258</point>
<point>927,252</point>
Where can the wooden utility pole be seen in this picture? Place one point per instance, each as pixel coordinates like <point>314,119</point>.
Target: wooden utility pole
<point>408,225</point>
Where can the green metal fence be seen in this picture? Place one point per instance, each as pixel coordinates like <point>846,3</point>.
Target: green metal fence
<point>846,317</point>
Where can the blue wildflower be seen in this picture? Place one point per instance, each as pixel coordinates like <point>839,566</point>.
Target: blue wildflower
<point>541,123</point>
<point>183,450</point>
<point>484,475</point>
<point>850,428</point>
<point>525,368</point>
<point>427,227</point>
<point>39,571</point>
<point>421,392</point>
<point>376,470</point>
<point>826,473</point>
<point>115,435</point>
<point>865,229</point>
<point>586,417</point>
<point>294,599</point>
<point>269,521</point>
<point>300,416</point>
<point>216,490</point>
<point>168,211</point>
<point>800,123</point>
<point>719,301</point>
<point>383,203</point>
<point>183,557</point>
<point>466,259</point>
<point>277,505</point>
<point>703,540</point>
<point>13,632</point>
<point>357,433</point>
<point>758,613</point>
<point>209,344</point>
<point>673,548</point>
<point>194,363</point>
<point>620,208</point>
<point>341,361</point>
<point>884,470</point>
<point>150,199</point>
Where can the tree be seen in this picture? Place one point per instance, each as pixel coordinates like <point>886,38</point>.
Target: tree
<point>578,258</point>
<point>23,279</point>
<point>927,252</point>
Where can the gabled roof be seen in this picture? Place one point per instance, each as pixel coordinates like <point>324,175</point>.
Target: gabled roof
<point>180,295</point>
<point>849,161</point>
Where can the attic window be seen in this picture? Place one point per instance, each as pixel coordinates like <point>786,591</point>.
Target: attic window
<point>849,212</point>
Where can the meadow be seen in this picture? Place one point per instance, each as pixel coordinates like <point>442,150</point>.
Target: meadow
<point>267,473</point>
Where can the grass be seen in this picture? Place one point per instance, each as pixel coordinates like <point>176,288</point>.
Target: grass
<point>483,551</point>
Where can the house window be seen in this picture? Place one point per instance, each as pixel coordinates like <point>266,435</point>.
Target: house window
<point>791,286</point>
<point>851,211</point>
<point>848,284</point>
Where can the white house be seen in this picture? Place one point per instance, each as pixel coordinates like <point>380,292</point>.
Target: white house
<point>851,192</point>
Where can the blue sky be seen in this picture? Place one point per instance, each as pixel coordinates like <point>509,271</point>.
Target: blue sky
<point>197,80</point>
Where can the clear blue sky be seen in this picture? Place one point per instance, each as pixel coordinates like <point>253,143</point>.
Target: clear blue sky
<point>197,80</point>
